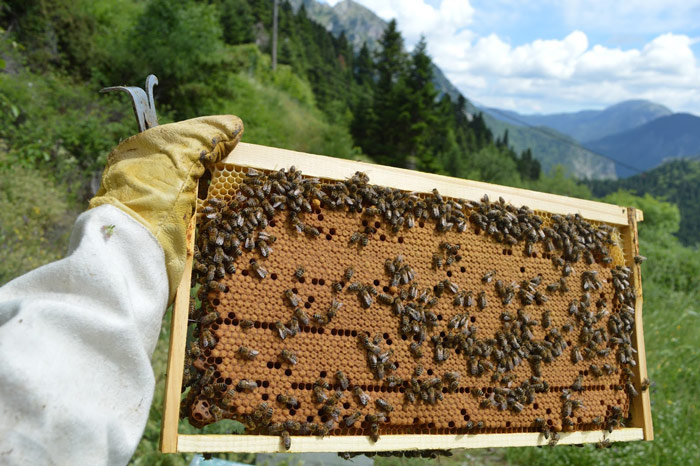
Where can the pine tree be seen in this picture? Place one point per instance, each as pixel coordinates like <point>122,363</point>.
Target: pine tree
<point>388,131</point>
<point>363,71</point>
<point>236,21</point>
<point>418,99</point>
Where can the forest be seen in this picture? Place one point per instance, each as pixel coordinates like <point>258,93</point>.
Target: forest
<point>213,57</point>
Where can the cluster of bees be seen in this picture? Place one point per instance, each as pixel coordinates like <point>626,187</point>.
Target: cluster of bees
<point>428,454</point>
<point>229,230</point>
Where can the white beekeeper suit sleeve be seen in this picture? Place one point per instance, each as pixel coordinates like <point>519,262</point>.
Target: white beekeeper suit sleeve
<point>76,336</point>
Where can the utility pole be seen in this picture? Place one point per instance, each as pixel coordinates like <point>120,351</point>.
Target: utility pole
<point>274,36</point>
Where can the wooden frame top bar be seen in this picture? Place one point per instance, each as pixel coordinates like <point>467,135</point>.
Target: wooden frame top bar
<point>270,158</point>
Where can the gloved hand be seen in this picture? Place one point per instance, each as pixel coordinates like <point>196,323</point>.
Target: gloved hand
<point>153,175</point>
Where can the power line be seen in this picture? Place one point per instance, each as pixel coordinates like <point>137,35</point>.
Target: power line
<point>559,138</point>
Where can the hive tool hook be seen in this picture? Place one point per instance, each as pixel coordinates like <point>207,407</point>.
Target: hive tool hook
<point>144,105</point>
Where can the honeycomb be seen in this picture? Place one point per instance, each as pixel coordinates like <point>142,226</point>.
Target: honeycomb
<point>462,393</point>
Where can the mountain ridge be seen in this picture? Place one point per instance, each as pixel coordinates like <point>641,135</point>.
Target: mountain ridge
<point>591,125</point>
<point>648,145</point>
<point>361,25</point>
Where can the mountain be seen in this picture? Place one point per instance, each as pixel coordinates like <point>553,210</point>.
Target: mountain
<point>589,125</point>
<point>361,25</point>
<point>677,181</point>
<point>552,148</point>
<point>648,145</point>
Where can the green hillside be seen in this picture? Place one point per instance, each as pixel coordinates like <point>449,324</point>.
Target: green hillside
<point>553,148</point>
<point>677,181</point>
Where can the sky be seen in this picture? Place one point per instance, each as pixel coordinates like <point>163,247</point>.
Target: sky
<point>552,56</point>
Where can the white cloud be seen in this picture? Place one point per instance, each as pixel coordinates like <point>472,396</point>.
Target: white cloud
<point>560,74</point>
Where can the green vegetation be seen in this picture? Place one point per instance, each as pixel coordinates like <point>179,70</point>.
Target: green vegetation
<point>677,181</point>
<point>56,130</point>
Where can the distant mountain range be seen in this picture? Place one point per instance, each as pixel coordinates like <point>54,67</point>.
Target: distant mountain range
<point>589,125</point>
<point>569,139</point>
<point>637,133</point>
<point>648,145</point>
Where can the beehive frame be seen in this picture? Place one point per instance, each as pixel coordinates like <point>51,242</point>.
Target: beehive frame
<point>266,158</point>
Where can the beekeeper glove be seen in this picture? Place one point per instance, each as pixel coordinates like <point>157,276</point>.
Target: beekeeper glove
<point>153,175</point>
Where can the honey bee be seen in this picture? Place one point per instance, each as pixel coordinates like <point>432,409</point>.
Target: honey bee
<point>468,299</point>
<point>342,380</point>
<point>286,440</point>
<point>355,238</point>
<point>311,231</point>
<point>361,396</point>
<point>247,385</point>
<point>595,370</point>
<point>639,259</point>
<point>488,276</point>
<point>349,273</point>
<point>337,287</point>
<point>554,439</point>
<point>246,324</point>
<point>374,431</point>
<point>289,357</point>
<point>289,401</point>
<point>209,318</point>
<point>263,411</point>
<point>354,287</point>
<point>645,384</point>
<point>301,316</point>
<point>282,330</point>
<point>259,271</point>
<point>383,405</point>
<point>482,300</point>
<point>214,285</point>
<point>263,248</point>
<point>578,384</point>
<point>211,272</point>
<point>605,443</point>
<point>292,299</point>
<point>319,394</point>
<point>247,353</point>
<point>364,240</point>
<point>365,298</point>
<point>206,339</point>
<point>352,419</point>
<point>228,398</point>
<point>208,391</point>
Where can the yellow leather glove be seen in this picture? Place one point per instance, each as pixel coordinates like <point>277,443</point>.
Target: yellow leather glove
<point>153,175</point>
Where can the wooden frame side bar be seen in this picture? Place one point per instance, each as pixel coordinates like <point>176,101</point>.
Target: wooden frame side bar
<point>640,405</point>
<point>271,444</point>
<point>270,158</point>
<point>176,353</point>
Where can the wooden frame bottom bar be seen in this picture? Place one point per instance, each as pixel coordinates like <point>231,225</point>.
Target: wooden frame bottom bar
<point>271,444</point>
